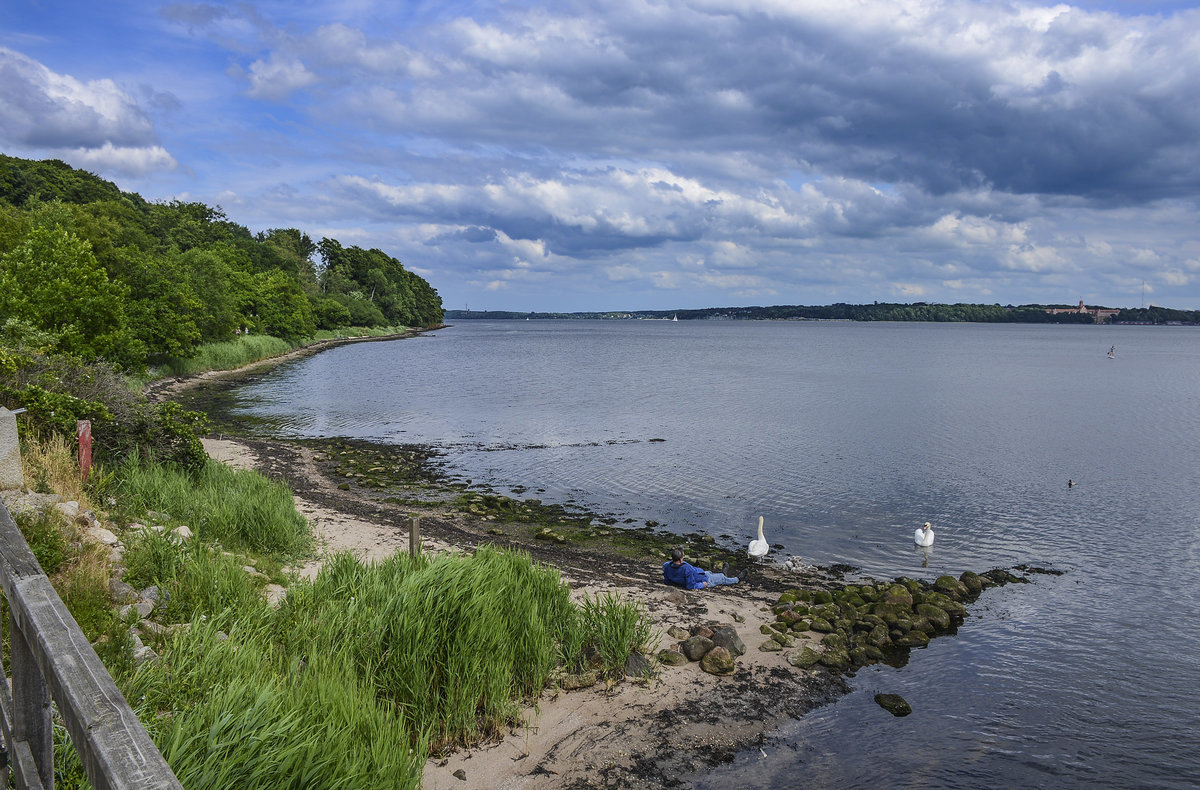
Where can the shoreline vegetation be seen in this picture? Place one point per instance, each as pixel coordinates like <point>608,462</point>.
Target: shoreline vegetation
<point>272,631</point>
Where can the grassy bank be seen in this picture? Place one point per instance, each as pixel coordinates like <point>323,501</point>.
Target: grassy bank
<point>248,349</point>
<point>355,678</point>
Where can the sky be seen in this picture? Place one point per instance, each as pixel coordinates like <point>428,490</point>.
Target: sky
<point>653,154</point>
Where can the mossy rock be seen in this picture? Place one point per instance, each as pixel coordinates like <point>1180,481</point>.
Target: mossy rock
<point>787,597</point>
<point>343,486</point>
<point>766,629</point>
<point>951,586</point>
<point>770,646</point>
<point>914,638</point>
<point>972,582</point>
<point>946,603</point>
<point>854,599</point>
<point>939,617</point>
<point>789,617</point>
<point>921,623</point>
<point>912,585</point>
<point>717,661</point>
<point>868,592</point>
<point>804,659</point>
<point>784,640</point>
<point>823,596</point>
<point>893,704</point>
<point>801,625</point>
<point>896,595</point>
<point>805,595</point>
<point>780,608</point>
<point>858,655</point>
<point>874,653</point>
<point>833,640</point>
<point>843,625</point>
<point>879,636</point>
<point>779,628</point>
<point>837,658</point>
<point>821,625</point>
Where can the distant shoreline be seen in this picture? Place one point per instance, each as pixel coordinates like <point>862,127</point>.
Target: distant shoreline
<point>919,312</point>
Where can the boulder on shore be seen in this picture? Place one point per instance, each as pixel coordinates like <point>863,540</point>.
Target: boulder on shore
<point>717,661</point>
<point>726,636</point>
<point>696,647</point>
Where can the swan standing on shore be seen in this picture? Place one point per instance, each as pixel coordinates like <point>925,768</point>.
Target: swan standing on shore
<point>758,547</point>
<point>924,535</point>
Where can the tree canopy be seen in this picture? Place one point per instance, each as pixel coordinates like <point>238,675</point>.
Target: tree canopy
<point>104,274</point>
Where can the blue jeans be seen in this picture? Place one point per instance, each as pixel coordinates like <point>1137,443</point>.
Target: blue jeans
<point>715,579</point>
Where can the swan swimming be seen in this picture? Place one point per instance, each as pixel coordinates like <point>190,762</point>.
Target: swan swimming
<point>758,547</point>
<point>924,535</point>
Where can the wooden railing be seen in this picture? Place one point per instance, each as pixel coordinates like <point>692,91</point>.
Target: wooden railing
<point>52,660</point>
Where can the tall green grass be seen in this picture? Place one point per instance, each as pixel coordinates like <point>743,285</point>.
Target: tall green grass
<point>247,349</point>
<point>457,642</point>
<point>229,355</point>
<point>241,509</point>
<point>242,716</point>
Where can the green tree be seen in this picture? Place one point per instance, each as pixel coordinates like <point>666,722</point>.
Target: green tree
<point>52,281</point>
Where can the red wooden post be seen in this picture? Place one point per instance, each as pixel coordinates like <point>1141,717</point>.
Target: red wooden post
<point>84,428</point>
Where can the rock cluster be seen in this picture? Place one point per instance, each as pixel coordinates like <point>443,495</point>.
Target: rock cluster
<point>715,647</point>
<point>864,624</point>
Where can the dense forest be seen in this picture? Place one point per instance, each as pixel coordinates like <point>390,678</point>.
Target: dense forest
<point>101,274</point>
<point>878,311</point>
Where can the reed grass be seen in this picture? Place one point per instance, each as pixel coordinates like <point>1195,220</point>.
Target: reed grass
<point>237,508</point>
<point>612,628</point>
<point>248,349</point>
<point>243,350</point>
<point>243,718</point>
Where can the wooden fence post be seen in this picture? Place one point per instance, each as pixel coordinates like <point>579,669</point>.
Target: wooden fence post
<point>84,431</point>
<point>31,704</point>
<point>414,537</point>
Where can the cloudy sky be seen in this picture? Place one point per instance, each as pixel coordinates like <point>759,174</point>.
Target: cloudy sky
<point>608,154</point>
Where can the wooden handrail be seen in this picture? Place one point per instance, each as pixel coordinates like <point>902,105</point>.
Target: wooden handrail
<point>52,659</point>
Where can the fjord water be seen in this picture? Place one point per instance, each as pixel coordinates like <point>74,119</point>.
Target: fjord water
<point>846,437</point>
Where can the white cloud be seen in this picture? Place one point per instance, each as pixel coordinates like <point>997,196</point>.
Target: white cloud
<point>45,110</point>
<point>129,161</point>
<point>278,77</point>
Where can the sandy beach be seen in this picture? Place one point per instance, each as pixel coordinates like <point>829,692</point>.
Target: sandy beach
<point>631,734</point>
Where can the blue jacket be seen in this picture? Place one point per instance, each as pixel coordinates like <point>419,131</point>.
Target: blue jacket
<point>686,576</point>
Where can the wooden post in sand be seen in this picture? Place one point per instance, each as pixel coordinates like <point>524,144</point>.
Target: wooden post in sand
<point>414,537</point>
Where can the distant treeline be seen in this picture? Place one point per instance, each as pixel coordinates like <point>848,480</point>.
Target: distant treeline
<point>89,270</point>
<point>878,311</point>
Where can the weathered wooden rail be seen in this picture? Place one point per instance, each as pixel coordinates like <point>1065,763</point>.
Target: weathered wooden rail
<point>52,660</point>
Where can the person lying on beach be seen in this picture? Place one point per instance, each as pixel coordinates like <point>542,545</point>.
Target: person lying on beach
<point>689,577</point>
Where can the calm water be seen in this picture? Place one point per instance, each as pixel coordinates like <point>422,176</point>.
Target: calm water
<point>846,437</point>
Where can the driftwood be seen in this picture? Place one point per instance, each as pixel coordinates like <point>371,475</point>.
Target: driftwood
<point>52,659</point>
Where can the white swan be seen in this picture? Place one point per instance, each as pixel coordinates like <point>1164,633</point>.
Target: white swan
<point>758,547</point>
<point>924,535</point>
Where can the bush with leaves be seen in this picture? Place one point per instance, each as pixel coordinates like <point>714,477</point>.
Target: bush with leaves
<point>56,391</point>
